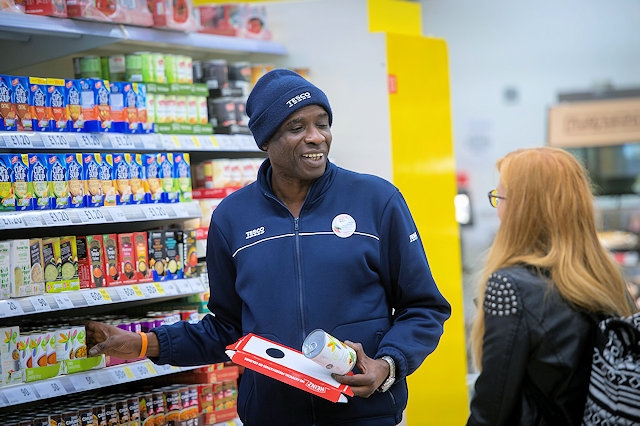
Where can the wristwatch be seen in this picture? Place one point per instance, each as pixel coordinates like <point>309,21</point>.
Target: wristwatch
<point>392,374</point>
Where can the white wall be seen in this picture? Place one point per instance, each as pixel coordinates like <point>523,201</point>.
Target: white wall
<point>540,49</point>
<point>332,39</point>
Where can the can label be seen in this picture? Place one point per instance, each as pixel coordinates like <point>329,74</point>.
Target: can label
<point>329,352</point>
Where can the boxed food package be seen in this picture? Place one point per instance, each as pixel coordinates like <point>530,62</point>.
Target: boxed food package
<point>69,263</point>
<point>141,246</point>
<point>153,188</point>
<point>127,258</point>
<point>39,176</point>
<point>137,178</point>
<point>121,174</point>
<point>145,119</point>
<point>105,176</point>
<point>51,259</point>
<point>96,109</point>
<point>22,101</point>
<point>58,183</point>
<point>8,113</point>
<point>119,122</point>
<point>93,195</point>
<point>37,265</point>
<point>91,265</point>
<point>174,256</point>
<point>9,356</point>
<point>72,92</point>
<point>47,7</point>
<point>40,104</point>
<point>96,10</point>
<point>74,179</point>
<point>110,246</point>
<point>169,192</point>
<point>174,14</point>
<point>157,255</point>
<point>22,185</point>
<point>190,253</point>
<point>182,176</point>
<point>20,270</point>
<point>5,267</point>
<point>58,113</point>
<point>7,196</point>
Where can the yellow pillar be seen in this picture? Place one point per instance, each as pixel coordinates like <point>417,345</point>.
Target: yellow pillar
<point>423,167</point>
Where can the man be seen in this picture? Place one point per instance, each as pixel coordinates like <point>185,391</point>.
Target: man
<point>308,245</point>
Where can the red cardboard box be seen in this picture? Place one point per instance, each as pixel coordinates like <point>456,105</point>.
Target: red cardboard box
<point>292,368</point>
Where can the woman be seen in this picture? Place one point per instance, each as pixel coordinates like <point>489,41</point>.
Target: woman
<point>546,272</point>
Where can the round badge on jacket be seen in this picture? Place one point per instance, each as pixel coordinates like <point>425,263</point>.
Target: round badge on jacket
<point>343,225</point>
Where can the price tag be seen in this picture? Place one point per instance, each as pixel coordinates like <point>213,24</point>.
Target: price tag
<point>137,291</point>
<point>142,371</point>
<point>155,212</point>
<point>18,140</point>
<point>121,141</point>
<point>117,214</point>
<point>83,382</point>
<point>32,220</point>
<point>91,216</point>
<point>19,394</point>
<point>49,389</point>
<point>118,375</point>
<point>93,297</point>
<point>175,142</point>
<point>128,372</point>
<point>163,369</point>
<point>159,288</point>
<point>196,285</point>
<point>63,301</point>
<point>105,294</point>
<point>186,142</point>
<point>152,369</point>
<point>40,304</point>
<point>10,308</point>
<point>149,290</point>
<point>150,142</point>
<point>126,293</point>
<point>88,141</point>
<point>55,140</point>
<point>11,221</point>
<point>170,288</point>
<point>180,210</point>
<point>209,142</point>
<point>56,218</point>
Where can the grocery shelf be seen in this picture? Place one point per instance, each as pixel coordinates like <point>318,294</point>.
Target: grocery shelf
<point>99,215</point>
<point>51,302</point>
<point>61,141</point>
<point>62,385</point>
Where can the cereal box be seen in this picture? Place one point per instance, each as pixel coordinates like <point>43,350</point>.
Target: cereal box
<point>72,94</point>
<point>169,193</point>
<point>110,247</point>
<point>141,246</point>
<point>182,176</point>
<point>22,101</point>
<point>127,258</point>
<point>5,266</point>
<point>91,263</point>
<point>58,184</point>
<point>39,175</point>
<point>52,262</point>
<point>37,265</point>
<point>22,185</point>
<point>74,179</point>
<point>9,355</point>
<point>58,113</point>
<point>40,104</point>
<point>7,196</point>
<point>69,263</point>
<point>8,113</point>
<point>121,178</point>
<point>152,172</point>
<point>93,195</point>
<point>137,178</point>
<point>105,175</point>
<point>20,270</point>
<point>96,109</point>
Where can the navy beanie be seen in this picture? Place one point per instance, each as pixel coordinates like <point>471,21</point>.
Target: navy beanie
<point>277,95</point>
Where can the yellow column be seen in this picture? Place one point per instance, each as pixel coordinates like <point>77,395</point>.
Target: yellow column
<point>423,168</point>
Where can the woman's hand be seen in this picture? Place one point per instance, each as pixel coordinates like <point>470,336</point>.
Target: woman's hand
<point>373,372</point>
<point>111,340</point>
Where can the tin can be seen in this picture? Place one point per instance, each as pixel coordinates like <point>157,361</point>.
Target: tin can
<point>329,352</point>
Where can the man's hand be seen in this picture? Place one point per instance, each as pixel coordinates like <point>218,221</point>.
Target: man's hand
<point>111,340</point>
<point>373,372</point>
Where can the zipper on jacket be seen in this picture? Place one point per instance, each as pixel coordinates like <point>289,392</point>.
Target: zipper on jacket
<point>296,228</point>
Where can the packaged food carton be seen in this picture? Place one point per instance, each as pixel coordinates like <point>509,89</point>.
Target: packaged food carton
<point>72,95</point>
<point>22,101</point>
<point>153,188</point>
<point>69,263</point>
<point>52,262</point>
<point>39,176</point>
<point>5,267</point>
<point>22,185</point>
<point>182,176</point>
<point>141,246</point>
<point>40,104</point>
<point>20,271</point>
<point>105,175</point>
<point>91,265</point>
<point>137,178</point>
<point>93,194</point>
<point>169,193</point>
<point>127,258</point>
<point>8,113</point>
<point>110,247</point>
<point>74,166</point>
<point>58,114</point>
<point>7,196</point>
<point>96,109</point>
<point>121,174</point>
<point>47,7</point>
<point>157,255</point>
<point>58,183</point>
<point>9,355</point>
<point>37,265</point>
<point>189,253</point>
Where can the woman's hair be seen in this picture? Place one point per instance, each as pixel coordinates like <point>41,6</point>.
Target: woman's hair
<point>549,223</point>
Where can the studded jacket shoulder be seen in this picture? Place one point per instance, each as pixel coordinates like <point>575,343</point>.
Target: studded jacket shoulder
<point>533,339</point>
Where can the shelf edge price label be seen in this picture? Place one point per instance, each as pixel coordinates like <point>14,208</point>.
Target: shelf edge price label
<point>128,372</point>
<point>155,212</point>
<point>57,218</point>
<point>159,288</point>
<point>121,141</point>
<point>82,382</point>
<point>142,371</point>
<point>118,375</point>
<point>126,293</point>
<point>11,221</point>
<point>18,140</point>
<point>63,301</point>
<point>117,214</point>
<point>10,308</point>
<point>19,394</point>
<point>91,216</point>
<point>136,289</point>
<point>88,141</point>
<point>55,140</point>
<point>40,304</point>
<point>169,288</point>
<point>149,290</point>
<point>49,389</point>
<point>33,220</point>
<point>93,297</point>
<point>149,142</point>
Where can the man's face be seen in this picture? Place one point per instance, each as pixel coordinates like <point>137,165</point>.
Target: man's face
<point>299,148</point>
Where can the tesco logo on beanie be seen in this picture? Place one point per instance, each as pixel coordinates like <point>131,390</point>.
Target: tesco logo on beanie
<point>298,98</point>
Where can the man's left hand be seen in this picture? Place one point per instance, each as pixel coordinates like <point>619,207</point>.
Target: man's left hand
<point>373,372</point>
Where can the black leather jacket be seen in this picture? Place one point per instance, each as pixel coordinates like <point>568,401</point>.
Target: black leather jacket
<point>536,352</point>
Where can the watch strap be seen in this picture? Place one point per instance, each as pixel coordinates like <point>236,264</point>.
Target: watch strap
<point>392,374</point>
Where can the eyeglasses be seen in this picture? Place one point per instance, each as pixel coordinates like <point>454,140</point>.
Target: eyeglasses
<point>494,197</point>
